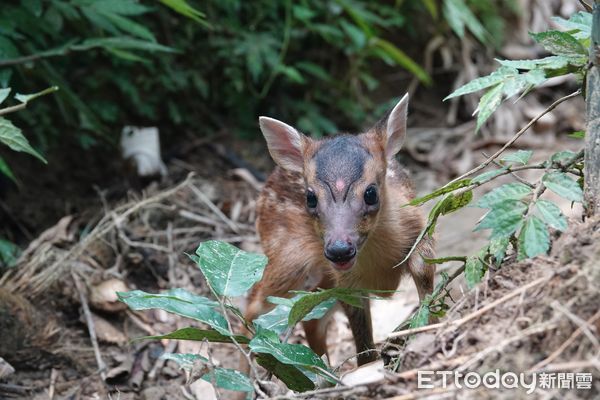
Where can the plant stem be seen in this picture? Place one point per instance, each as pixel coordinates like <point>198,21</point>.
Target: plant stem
<point>515,137</point>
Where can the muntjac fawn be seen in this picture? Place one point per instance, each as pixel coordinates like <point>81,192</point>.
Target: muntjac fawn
<point>333,214</point>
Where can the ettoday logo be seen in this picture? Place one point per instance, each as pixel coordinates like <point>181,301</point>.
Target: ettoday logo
<point>505,380</point>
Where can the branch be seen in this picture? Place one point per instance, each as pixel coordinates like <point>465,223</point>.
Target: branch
<point>515,137</point>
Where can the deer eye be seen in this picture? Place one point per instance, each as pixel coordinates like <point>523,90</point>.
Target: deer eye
<point>371,197</point>
<point>311,199</point>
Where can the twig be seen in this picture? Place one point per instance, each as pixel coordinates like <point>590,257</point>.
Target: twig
<point>425,393</point>
<point>583,325</point>
<point>214,209</point>
<point>476,314</point>
<point>515,137</point>
<point>21,106</point>
<point>53,375</point>
<point>563,346</point>
<point>90,324</point>
<point>514,175</point>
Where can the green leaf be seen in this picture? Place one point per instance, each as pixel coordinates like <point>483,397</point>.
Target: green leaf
<point>26,98</point>
<point>458,15</point>
<point>11,136</point>
<point>183,7</point>
<point>520,156</point>
<point>401,59</point>
<point>580,22</point>
<point>4,94</point>
<point>180,302</point>
<point>229,270</point>
<point>504,219</point>
<point>453,202</point>
<point>442,260</point>
<point>307,303</point>
<point>560,43</point>
<point>577,135</point>
<point>485,82</point>
<point>561,184</point>
<point>290,375</point>
<point>9,253</point>
<point>488,175</point>
<point>474,271</point>
<point>277,319</point>
<point>439,192</point>
<point>229,379</point>
<point>122,7</point>
<point>509,191</point>
<point>6,171</point>
<point>198,334</point>
<point>497,248</point>
<point>489,103</point>
<point>225,378</point>
<point>122,42</point>
<point>549,63</point>
<point>551,214</point>
<point>534,238</point>
<point>421,318</point>
<point>268,342</point>
<point>562,157</point>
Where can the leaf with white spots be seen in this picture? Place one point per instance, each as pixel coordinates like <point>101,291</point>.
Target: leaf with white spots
<point>229,270</point>
<point>180,302</point>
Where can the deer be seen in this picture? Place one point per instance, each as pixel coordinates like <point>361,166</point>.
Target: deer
<point>334,213</point>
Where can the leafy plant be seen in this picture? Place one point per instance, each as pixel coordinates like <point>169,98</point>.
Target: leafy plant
<point>517,218</point>
<point>12,136</point>
<point>231,272</point>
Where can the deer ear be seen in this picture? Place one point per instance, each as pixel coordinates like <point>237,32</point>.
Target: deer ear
<point>396,128</point>
<point>285,143</point>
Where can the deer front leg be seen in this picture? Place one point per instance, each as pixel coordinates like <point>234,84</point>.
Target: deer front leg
<point>360,324</point>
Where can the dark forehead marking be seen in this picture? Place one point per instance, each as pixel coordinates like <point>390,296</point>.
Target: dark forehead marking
<point>341,157</point>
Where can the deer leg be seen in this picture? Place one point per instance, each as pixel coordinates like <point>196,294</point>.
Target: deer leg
<point>360,324</point>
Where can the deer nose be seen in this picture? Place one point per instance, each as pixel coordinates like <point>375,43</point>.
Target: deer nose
<point>340,251</point>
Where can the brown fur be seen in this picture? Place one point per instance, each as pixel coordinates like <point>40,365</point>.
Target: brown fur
<point>292,241</point>
<point>337,171</point>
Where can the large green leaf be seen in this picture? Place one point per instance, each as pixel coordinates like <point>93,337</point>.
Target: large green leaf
<point>11,136</point>
<point>198,334</point>
<point>180,302</point>
<point>225,378</point>
<point>551,214</point>
<point>277,319</point>
<point>580,23</point>
<point>534,238</point>
<point>504,219</point>
<point>401,59</point>
<point>292,376</point>
<point>560,43</point>
<point>307,303</point>
<point>550,62</point>
<point>484,82</point>
<point>268,342</point>
<point>561,184</point>
<point>509,191</point>
<point>229,270</point>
